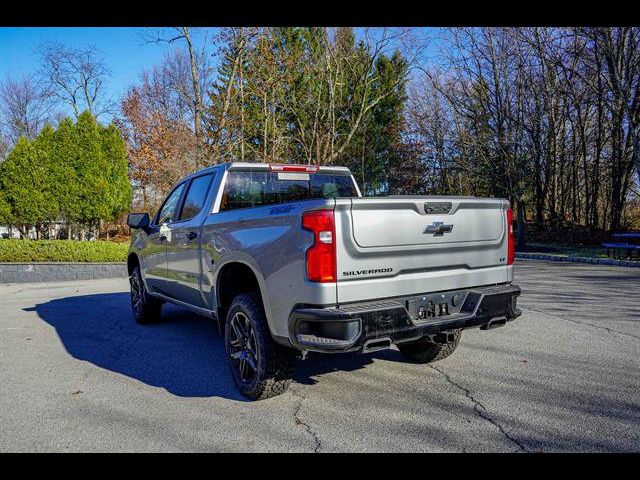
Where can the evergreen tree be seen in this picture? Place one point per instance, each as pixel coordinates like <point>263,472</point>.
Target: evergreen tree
<point>43,146</point>
<point>6,214</point>
<point>20,177</point>
<point>77,173</point>
<point>92,170</point>
<point>63,173</point>
<point>119,187</point>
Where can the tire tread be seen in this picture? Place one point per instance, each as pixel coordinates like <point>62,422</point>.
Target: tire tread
<point>279,360</point>
<point>426,351</point>
<point>151,307</point>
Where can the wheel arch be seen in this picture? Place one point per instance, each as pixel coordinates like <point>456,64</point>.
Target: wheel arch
<point>234,278</point>
<point>133,261</point>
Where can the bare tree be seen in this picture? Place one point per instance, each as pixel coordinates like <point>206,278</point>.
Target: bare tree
<point>621,49</point>
<point>365,78</point>
<point>24,107</point>
<point>76,77</point>
<point>4,147</point>
<point>225,123</point>
<point>546,116</point>
<point>199,71</point>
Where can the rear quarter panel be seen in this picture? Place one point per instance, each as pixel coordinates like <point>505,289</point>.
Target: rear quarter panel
<point>271,241</point>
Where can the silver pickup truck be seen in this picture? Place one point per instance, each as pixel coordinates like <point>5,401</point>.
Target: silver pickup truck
<point>291,259</point>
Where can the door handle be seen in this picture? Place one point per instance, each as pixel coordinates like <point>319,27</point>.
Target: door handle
<point>191,235</point>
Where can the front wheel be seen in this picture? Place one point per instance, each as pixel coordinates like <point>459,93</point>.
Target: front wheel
<point>146,309</point>
<point>426,351</point>
<point>261,368</point>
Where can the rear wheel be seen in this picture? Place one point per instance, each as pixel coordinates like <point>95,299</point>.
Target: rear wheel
<point>427,351</point>
<point>146,309</point>
<point>261,368</point>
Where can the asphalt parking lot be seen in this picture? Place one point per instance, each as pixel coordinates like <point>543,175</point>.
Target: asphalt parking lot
<point>77,374</point>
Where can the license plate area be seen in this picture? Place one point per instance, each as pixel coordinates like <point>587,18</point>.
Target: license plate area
<point>435,306</point>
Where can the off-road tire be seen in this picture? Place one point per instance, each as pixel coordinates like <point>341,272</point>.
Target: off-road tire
<point>275,363</point>
<point>426,351</point>
<point>148,309</point>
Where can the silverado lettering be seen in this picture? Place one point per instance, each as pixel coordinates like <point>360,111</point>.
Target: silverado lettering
<point>367,272</point>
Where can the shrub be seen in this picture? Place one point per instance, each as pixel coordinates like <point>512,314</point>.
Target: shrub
<point>27,251</point>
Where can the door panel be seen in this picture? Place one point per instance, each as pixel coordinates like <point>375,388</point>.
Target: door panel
<point>183,264</point>
<point>183,246</point>
<point>154,256</point>
<point>154,261</point>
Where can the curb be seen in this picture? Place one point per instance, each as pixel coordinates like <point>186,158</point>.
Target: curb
<point>59,271</point>
<point>594,261</point>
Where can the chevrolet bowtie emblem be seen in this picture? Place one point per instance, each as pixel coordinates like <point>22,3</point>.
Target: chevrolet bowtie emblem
<point>438,229</point>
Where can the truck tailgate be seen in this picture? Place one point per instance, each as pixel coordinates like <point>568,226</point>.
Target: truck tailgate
<point>408,245</point>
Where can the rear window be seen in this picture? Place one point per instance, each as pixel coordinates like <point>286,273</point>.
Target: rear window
<point>245,189</point>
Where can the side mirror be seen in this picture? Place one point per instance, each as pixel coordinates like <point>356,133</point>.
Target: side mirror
<point>138,220</point>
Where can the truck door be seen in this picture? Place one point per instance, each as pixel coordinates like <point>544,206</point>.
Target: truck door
<point>154,255</point>
<point>183,244</point>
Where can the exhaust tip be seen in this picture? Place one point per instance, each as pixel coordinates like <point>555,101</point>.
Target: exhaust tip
<point>376,344</point>
<point>442,338</point>
<point>495,323</point>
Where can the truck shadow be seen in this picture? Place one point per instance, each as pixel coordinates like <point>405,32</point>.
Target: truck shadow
<point>183,353</point>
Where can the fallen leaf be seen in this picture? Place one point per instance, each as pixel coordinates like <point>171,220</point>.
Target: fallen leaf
<point>77,392</point>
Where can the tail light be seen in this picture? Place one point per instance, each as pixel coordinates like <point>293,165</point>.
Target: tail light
<point>321,256</point>
<point>511,252</point>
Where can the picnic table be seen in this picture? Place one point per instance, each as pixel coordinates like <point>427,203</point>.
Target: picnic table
<point>627,245</point>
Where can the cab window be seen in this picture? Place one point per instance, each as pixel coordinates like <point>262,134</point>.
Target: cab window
<point>166,214</point>
<point>194,201</point>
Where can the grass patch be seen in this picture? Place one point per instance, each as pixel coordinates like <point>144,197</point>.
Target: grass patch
<point>28,251</point>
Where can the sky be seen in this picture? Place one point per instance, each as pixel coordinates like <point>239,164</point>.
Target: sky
<point>123,49</point>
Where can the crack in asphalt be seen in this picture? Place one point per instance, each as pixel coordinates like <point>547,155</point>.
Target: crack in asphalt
<point>480,409</point>
<point>299,421</point>
<point>609,330</point>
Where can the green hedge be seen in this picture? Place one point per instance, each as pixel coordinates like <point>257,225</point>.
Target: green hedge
<point>26,251</point>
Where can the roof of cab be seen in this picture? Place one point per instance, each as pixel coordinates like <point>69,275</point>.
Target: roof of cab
<point>256,166</point>
<point>265,166</point>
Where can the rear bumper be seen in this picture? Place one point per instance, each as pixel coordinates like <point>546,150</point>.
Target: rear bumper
<point>369,326</point>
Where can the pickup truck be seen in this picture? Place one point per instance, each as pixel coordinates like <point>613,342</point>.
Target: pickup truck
<point>291,258</point>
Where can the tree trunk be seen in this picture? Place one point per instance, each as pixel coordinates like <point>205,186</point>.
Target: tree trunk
<point>635,152</point>
<point>520,238</point>
<point>197,97</point>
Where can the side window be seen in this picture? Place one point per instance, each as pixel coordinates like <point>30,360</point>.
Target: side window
<point>169,206</point>
<point>194,201</point>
